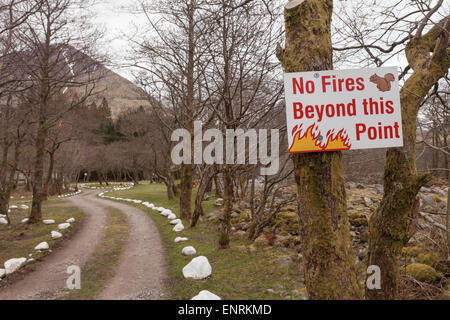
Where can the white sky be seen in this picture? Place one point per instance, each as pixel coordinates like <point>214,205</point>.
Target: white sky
<point>117,19</point>
<point>119,22</point>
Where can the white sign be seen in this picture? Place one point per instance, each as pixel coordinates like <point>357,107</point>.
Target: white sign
<point>343,110</point>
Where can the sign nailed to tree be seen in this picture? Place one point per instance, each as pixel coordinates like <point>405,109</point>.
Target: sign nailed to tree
<point>343,110</point>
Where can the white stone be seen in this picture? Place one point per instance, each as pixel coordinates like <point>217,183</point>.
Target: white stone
<point>188,251</point>
<point>179,239</point>
<point>63,226</point>
<point>160,209</point>
<point>12,265</point>
<point>42,246</point>
<point>171,216</point>
<point>13,207</point>
<point>2,273</point>
<point>2,215</point>
<point>166,212</point>
<point>176,221</point>
<point>71,220</point>
<point>3,221</point>
<point>206,295</point>
<point>49,221</point>
<point>24,207</point>
<point>179,227</point>
<point>198,268</point>
<point>56,235</point>
<point>25,220</point>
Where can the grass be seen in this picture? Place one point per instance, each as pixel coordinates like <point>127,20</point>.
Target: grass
<point>236,275</point>
<point>101,266</point>
<point>19,239</point>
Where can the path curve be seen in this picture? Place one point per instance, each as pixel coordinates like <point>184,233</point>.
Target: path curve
<point>48,280</point>
<point>141,272</point>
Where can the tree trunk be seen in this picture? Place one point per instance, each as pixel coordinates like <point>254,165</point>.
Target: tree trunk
<point>389,226</point>
<point>202,188</point>
<point>169,185</point>
<point>224,227</point>
<point>186,191</point>
<point>186,169</point>
<point>36,206</point>
<point>322,209</point>
<point>49,174</point>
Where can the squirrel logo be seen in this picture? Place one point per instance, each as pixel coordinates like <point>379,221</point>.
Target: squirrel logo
<point>383,84</point>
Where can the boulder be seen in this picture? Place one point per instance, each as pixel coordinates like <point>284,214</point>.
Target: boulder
<point>188,251</point>
<point>63,226</point>
<point>198,268</point>
<point>3,221</point>
<point>179,239</point>
<point>71,220</point>
<point>166,212</point>
<point>206,295</point>
<point>368,202</point>
<point>25,220</point>
<point>179,227</point>
<point>24,207</point>
<point>176,221</point>
<point>12,265</point>
<point>56,235</point>
<point>48,221</point>
<point>42,246</point>
<point>422,272</point>
<point>2,273</point>
<point>218,202</point>
<point>171,216</point>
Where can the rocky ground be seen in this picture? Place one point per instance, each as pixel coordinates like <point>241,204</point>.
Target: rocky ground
<point>424,262</point>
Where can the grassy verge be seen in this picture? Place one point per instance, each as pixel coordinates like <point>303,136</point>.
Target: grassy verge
<point>19,239</point>
<point>101,266</point>
<point>235,275</point>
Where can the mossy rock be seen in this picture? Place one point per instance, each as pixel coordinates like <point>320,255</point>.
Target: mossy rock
<point>422,272</point>
<point>260,242</point>
<point>429,258</point>
<point>358,219</point>
<point>242,249</point>
<point>412,251</point>
<point>283,234</point>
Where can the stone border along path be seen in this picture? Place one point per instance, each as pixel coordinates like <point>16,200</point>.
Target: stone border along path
<point>48,280</point>
<point>199,267</point>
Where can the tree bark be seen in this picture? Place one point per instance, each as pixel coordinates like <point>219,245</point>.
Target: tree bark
<point>322,209</point>
<point>36,206</point>
<point>225,226</point>
<point>49,174</point>
<point>389,226</point>
<point>204,183</point>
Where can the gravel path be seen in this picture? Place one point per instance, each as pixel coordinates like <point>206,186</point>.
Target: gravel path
<point>48,280</point>
<point>140,273</point>
<point>142,268</point>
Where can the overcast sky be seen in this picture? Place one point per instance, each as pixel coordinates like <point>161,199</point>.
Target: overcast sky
<point>119,21</point>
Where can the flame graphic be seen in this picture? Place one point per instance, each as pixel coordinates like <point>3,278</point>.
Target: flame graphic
<point>312,140</point>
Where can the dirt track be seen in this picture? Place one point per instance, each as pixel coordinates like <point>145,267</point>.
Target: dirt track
<point>139,274</point>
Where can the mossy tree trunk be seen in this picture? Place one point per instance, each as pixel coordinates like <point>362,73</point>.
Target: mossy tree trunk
<point>186,169</point>
<point>322,209</point>
<point>429,57</point>
<point>205,181</point>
